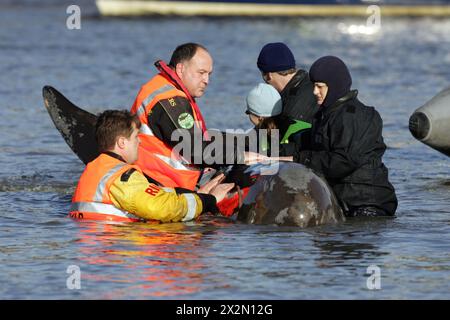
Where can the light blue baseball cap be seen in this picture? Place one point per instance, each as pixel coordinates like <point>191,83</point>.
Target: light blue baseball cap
<point>264,101</point>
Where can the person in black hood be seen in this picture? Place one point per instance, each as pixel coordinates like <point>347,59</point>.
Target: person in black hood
<point>346,145</point>
<point>331,80</point>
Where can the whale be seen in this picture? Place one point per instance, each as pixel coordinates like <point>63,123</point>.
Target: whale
<point>289,194</point>
<point>430,123</point>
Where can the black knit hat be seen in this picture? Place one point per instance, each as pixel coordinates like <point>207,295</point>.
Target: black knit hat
<point>275,57</point>
<point>332,71</point>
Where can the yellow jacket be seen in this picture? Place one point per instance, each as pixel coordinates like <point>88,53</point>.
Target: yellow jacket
<point>110,189</point>
<point>151,202</point>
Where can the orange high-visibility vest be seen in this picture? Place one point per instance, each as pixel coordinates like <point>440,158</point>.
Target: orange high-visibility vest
<point>91,199</point>
<point>155,157</point>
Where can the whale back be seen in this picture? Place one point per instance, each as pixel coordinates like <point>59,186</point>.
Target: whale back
<point>293,196</point>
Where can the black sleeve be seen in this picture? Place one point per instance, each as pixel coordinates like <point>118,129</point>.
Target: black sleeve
<point>209,203</point>
<point>171,120</point>
<point>161,123</point>
<point>289,149</point>
<point>299,101</point>
<point>297,142</point>
<point>341,158</point>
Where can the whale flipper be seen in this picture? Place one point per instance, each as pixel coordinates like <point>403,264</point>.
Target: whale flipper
<point>76,125</point>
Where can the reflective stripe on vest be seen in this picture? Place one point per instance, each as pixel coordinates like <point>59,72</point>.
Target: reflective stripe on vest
<point>145,129</point>
<point>141,110</point>
<point>102,208</point>
<point>98,197</point>
<point>173,163</point>
<point>192,206</point>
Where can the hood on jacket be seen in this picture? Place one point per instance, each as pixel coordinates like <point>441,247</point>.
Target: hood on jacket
<point>332,71</point>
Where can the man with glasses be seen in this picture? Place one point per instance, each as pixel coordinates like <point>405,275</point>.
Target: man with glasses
<point>277,65</point>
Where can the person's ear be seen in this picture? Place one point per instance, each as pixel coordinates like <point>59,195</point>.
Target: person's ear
<point>179,68</point>
<point>260,121</point>
<point>120,142</point>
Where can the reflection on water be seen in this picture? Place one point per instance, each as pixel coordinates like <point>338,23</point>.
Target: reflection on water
<point>360,29</point>
<point>157,260</point>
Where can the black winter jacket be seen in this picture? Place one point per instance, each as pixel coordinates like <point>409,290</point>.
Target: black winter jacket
<point>346,146</point>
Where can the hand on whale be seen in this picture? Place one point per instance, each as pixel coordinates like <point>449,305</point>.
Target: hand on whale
<point>216,188</point>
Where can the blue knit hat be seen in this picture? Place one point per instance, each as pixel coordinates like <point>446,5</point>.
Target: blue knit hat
<point>264,101</point>
<point>275,57</point>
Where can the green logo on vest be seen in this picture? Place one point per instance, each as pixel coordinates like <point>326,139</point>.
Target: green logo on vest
<point>185,120</point>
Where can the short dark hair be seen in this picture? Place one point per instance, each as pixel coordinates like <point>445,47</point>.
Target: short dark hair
<point>112,124</point>
<point>287,72</point>
<point>283,72</point>
<point>184,52</point>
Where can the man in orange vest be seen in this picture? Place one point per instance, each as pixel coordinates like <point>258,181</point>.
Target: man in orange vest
<point>112,188</point>
<point>165,104</point>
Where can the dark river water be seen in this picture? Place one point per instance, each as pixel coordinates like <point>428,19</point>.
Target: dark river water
<point>103,64</point>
